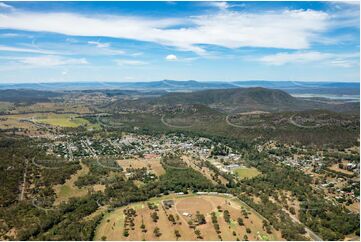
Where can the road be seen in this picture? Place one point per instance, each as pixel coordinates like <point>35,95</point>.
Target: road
<point>312,234</point>
<point>173,126</point>
<point>303,126</point>
<point>23,185</point>
<point>238,126</point>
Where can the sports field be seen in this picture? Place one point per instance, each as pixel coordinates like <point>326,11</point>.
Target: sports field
<point>246,172</point>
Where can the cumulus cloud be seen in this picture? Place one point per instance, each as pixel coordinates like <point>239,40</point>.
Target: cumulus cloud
<point>286,29</point>
<point>282,58</point>
<point>171,57</point>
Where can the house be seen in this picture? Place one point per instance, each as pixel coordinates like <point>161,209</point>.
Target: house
<point>231,167</point>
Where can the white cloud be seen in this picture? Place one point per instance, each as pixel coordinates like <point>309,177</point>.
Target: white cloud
<point>288,29</point>
<point>171,57</point>
<point>6,6</point>
<point>49,60</point>
<point>282,58</point>
<point>296,57</point>
<point>15,35</point>
<point>99,44</point>
<point>356,2</point>
<point>123,62</point>
<point>220,5</point>
<point>137,54</point>
<point>27,50</point>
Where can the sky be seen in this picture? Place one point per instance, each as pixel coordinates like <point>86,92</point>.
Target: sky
<point>204,41</point>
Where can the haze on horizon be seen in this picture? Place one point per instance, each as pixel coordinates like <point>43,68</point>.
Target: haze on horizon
<point>204,41</point>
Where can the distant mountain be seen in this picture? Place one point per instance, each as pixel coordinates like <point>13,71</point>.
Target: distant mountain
<point>291,87</point>
<point>237,100</point>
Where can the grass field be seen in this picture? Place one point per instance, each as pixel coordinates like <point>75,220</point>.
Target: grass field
<point>152,164</point>
<point>112,225</point>
<point>245,172</point>
<point>61,120</point>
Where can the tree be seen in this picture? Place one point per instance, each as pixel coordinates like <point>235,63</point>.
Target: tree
<point>226,216</point>
<point>240,221</point>
<point>171,218</point>
<point>157,232</point>
<point>177,234</point>
<point>200,218</point>
<point>292,210</point>
<point>198,233</point>
<point>155,217</point>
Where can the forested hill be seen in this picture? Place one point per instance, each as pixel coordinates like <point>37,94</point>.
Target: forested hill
<point>241,100</point>
<point>26,95</point>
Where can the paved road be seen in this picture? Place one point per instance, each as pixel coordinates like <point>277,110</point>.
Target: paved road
<point>312,234</point>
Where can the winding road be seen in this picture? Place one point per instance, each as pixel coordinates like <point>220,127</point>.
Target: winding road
<point>173,126</point>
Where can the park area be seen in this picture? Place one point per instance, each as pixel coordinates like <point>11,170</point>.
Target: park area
<point>185,217</point>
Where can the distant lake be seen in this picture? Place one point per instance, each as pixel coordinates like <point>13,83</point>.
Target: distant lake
<point>351,98</point>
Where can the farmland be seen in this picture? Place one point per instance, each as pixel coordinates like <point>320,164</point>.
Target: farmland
<point>61,120</point>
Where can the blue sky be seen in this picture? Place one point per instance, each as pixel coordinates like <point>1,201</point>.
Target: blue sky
<point>205,41</point>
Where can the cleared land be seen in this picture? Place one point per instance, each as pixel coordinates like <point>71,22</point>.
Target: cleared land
<point>152,164</point>
<point>245,172</point>
<point>184,210</point>
<point>68,189</point>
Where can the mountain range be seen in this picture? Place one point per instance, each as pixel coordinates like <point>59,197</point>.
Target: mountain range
<point>334,88</point>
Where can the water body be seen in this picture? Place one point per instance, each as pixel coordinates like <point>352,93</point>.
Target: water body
<point>350,98</point>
